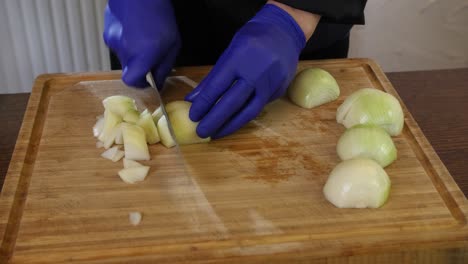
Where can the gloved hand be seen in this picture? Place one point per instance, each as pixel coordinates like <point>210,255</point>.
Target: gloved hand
<point>144,36</point>
<point>255,69</point>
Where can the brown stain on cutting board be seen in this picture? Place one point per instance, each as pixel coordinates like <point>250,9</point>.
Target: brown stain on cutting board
<point>279,159</point>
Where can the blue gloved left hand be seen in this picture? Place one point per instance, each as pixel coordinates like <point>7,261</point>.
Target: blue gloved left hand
<point>256,68</point>
<point>144,36</point>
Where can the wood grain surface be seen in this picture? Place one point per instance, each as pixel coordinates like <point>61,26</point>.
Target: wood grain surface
<point>420,90</point>
<point>250,197</point>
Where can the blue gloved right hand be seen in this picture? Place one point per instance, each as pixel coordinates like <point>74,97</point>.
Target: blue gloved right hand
<point>144,36</point>
<point>255,69</point>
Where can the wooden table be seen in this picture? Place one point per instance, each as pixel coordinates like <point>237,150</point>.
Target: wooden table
<point>437,99</point>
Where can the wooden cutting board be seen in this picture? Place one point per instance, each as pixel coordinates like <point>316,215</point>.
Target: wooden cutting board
<point>255,196</point>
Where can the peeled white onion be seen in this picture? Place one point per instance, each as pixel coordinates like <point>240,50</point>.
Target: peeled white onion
<point>184,127</point>
<point>357,183</point>
<point>177,105</point>
<point>371,106</point>
<point>367,141</point>
<point>313,87</point>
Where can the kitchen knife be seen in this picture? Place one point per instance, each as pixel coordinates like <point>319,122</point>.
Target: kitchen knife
<point>150,79</point>
<point>193,195</point>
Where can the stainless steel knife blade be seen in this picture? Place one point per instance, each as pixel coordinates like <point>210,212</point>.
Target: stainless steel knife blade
<point>193,194</point>
<point>150,79</point>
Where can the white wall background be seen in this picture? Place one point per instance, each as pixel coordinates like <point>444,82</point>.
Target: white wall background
<point>46,36</point>
<point>404,35</point>
<point>40,36</point>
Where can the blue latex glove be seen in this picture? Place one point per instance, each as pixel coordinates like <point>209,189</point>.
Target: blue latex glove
<point>144,36</point>
<point>256,68</point>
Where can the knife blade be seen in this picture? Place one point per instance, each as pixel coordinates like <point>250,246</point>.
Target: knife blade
<point>193,196</point>
<point>150,79</point>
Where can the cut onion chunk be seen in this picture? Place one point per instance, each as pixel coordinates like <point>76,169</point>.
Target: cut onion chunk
<point>133,175</point>
<point>157,115</point>
<point>110,153</point>
<point>97,128</point>
<point>109,141</point>
<point>131,116</point>
<point>135,142</point>
<point>151,132</point>
<point>119,104</point>
<point>99,144</point>
<point>135,218</point>
<point>118,135</point>
<point>118,156</point>
<point>164,133</point>
<point>110,121</point>
<point>131,164</point>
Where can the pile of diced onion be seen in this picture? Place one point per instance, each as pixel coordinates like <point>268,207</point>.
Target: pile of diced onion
<point>122,125</point>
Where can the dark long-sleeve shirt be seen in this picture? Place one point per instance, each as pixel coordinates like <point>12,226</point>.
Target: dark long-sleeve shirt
<point>207,26</point>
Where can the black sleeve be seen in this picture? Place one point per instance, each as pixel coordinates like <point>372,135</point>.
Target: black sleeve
<point>332,11</point>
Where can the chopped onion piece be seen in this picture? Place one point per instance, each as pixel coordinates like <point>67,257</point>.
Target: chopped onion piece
<point>119,104</point>
<point>133,175</point>
<point>131,116</point>
<point>110,121</point>
<point>164,133</point>
<point>110,153</point>
<point>130,164</point>
<point>99,144</point>
<point>145,112</point>
<point>97,128</point>
<point>157,115</point>
<point>110,139</point>
<point>135,142</point>
<point>118,135</point>
<point>151,132</point>
<point>118,156</point>
<point>135,218</point>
